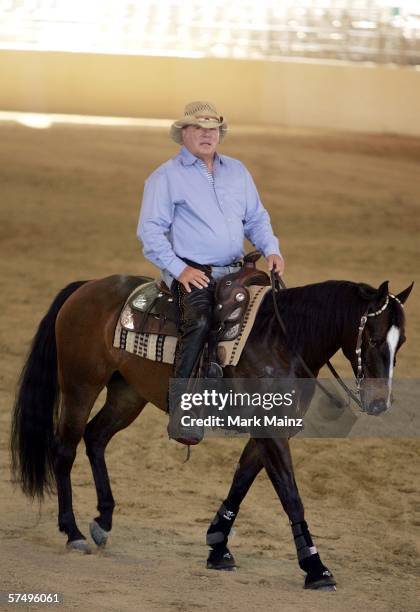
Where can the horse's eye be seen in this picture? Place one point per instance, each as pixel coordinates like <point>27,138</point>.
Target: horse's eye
<point>373,342</point>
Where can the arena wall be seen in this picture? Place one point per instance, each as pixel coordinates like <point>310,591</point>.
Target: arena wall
<point>361,97</point>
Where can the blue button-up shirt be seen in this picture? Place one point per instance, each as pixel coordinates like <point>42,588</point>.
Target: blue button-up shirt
<point>184,215</point>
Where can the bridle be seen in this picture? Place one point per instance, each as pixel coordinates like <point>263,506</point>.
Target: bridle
<point>359,374</point>
<point>276,284</point>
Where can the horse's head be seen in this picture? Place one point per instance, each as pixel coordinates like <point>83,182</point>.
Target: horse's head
<point>374,346</point>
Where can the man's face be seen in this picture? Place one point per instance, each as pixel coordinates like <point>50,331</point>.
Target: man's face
<point>201,142</point>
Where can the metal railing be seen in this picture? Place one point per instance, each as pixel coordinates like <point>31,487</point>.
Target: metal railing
<point>351,30</point>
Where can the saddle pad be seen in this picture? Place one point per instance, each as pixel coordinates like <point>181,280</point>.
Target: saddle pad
<point>162,348</point>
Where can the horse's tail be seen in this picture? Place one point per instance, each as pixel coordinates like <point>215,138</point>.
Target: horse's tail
<point>36,406</point>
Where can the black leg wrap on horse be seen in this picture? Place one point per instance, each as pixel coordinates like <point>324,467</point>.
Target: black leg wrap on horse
<point>218,532</point>
<point>308,557</point>
<point>220,557</point>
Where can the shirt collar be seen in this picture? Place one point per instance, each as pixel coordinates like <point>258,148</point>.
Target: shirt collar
<point>188,159</point>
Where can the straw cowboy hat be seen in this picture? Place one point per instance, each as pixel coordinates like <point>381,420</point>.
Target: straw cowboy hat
<point>198,113</point>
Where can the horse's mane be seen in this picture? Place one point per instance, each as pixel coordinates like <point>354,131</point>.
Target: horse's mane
<point>330,306</point>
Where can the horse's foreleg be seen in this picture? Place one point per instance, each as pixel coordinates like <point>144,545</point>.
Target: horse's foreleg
<point>123,404</point>
<point>250,464</point>
<point>275,454</point>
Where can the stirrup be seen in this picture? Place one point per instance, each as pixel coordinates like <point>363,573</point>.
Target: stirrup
<point>214,370</point>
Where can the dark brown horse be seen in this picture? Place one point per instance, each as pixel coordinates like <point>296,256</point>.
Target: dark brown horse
<point>72,359</point>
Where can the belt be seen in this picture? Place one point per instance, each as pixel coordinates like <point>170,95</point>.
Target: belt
<point>207,267</point>
<point>234,264</point>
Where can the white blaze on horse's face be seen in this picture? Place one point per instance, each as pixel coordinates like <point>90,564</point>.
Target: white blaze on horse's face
<point>376,387</point>
<point>392,339</point>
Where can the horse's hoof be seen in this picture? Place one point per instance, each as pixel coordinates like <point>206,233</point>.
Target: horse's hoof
<point>99,535</point>
<point>221,560</point>
<point>79,545</point>
<point>326,582</point>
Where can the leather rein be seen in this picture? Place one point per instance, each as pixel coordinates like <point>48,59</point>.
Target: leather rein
<point>277,283</point>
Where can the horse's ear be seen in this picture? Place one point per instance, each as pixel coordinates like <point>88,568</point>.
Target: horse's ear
<point>377,296</point>
<point>382,292</point>
<point>402,297</point>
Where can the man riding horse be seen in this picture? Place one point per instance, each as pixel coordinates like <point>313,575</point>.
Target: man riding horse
<point>197,209</point>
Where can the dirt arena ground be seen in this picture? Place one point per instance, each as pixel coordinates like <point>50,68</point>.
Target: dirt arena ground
<point>345,206</point>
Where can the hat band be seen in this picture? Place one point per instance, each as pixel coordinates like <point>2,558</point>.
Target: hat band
<point>209,118</point>
<point>186,121</point>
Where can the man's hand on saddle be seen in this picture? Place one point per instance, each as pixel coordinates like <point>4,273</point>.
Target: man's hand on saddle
<point>276,263</point>
<point>192,276</point>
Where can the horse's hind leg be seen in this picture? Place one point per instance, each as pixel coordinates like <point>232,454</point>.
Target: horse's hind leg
<point>249,466</point>
<point>123,404</point>
<point>75,409</point>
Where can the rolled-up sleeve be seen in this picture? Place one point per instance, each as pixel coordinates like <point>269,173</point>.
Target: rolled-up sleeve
<point>156,217</point>
<point>257,225</point>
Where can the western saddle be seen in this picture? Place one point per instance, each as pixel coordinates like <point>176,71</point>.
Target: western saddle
<point>152,309</point>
